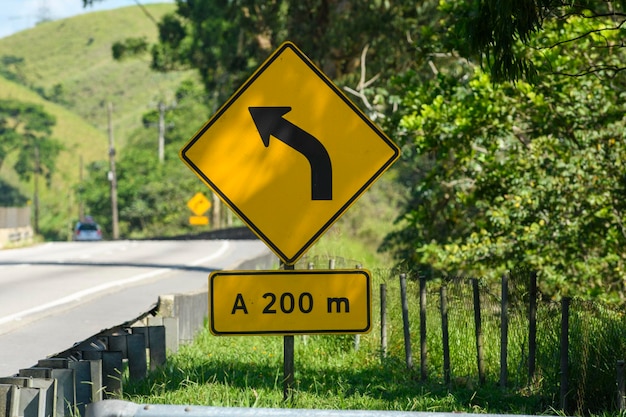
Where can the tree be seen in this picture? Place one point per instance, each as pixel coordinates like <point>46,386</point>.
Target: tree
<point>355,43</point>
<point>516,175</point>
<point>519,39</point>
<point>26,129</point>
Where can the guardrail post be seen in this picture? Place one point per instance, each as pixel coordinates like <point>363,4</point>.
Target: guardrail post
<point>133,348</point>
<point>94,357</point>
<point>30,398</point>
<point>49,401</point>
<point>83,378</point>
<point>156,341</point>
<point>156,335</point>
<point>66,384</point>
<point>111,368</point>
<point>171,333</point>
<point>117,343</point>
<point>8,400</point>
<point>137,362</point>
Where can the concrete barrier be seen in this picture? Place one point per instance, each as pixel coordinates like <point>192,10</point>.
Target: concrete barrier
<point>92,370</point>
<point>15,226</point>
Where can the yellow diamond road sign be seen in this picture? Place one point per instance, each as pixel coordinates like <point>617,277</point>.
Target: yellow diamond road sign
<point>199,204</point>
<point>289,153</point>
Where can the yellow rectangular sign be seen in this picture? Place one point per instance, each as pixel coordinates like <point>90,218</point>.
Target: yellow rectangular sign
<point>198,220</point>
<point>290,302</point>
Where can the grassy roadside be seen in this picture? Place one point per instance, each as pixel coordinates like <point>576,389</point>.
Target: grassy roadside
<point>247,371</point>
<point>330,374</point>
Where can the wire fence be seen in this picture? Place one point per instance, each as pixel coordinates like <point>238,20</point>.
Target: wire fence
<point>567,352</point>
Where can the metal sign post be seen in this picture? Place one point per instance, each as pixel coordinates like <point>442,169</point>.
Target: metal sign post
<point>288,357</point>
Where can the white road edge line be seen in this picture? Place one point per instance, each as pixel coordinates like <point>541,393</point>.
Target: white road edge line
<point>225,245</point>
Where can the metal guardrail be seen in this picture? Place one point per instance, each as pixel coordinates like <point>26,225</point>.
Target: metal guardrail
<point>118,408</point>
<point>88,372</point>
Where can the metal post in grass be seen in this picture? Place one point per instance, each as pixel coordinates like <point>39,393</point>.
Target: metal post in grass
<point>480,356</point>
<point>445,335</point>
<point>621,386</point>
<point>383,320</point>
<point>423,347</point>
<point>564,385</point>
<point>288,359</point>
<point>504,330</point>
<point>405,322</point>
<point>532,327</point>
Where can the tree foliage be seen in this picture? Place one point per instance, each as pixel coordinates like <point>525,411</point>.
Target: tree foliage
<point>26,129</point>
<point>518,39</point>
<point>354,42</point>
<point>506,176</point>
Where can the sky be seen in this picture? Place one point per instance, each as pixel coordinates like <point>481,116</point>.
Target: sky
<point>17,15</point>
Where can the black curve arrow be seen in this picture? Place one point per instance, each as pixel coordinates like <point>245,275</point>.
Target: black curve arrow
<point>269,121</point>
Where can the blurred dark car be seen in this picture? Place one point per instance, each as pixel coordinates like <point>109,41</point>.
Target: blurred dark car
<point>87,230</point>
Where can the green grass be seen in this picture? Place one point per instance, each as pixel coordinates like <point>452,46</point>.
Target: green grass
<point>247,371</point>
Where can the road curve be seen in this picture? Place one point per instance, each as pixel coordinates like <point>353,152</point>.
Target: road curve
<point>56,294</point>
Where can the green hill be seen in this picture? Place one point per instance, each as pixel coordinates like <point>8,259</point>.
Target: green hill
<point>69,62</point>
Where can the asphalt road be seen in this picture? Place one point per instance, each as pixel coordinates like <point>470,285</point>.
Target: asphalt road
<point>56,294</point>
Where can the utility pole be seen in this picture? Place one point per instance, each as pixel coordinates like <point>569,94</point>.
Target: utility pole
<point>161,126</point>
<point>36,189</point>
<point>112,176</point>
<point>81,204</point>
<point>161,131</point>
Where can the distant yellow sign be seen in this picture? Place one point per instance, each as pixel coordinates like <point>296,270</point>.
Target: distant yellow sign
<point>199,204</point>
<point>290,302</point>
<point>198,220</point>
<point>289,153</point>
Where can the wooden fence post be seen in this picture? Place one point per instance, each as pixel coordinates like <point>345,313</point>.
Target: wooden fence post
<point>357,337</point>
<point>479,332</point>
<point>405,320</point>
<point>504,331</point>
<point>383,320</point>
<point>445,336</point>
<point>621,387</point>
<point>564,388</point>
<point>423,347</point>
<point>532,327</point>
